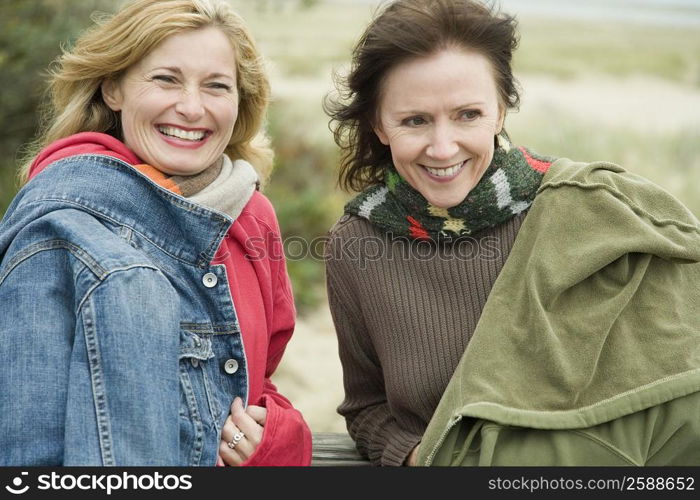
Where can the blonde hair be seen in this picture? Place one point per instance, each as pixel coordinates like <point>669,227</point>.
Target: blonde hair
<point>116,42</point>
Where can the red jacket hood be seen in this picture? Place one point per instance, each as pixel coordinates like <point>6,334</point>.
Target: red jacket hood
<point>82,143</point>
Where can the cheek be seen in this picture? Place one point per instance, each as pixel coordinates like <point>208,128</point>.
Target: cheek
<point>145,100</point>
<point>227,115</point>
<point>483,143</point>
<point>140,113</point>
<point>404,149</point>
<point>486,155</point>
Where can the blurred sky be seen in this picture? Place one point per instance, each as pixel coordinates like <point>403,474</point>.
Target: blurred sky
<point>652,12</point>
<point>655,12</point>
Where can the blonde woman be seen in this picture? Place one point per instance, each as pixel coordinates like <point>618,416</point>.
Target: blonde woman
<point>145,298</point>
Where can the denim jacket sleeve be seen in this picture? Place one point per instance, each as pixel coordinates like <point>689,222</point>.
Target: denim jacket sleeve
<point>98,339</point>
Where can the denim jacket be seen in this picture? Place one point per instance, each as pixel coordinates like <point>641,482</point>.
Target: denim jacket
<point>113,317</point>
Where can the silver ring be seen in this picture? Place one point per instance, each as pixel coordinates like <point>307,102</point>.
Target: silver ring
<point>235,439</point>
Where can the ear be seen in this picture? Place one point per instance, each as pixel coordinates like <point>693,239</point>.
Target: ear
<point>379,131</point>
<point>112,94</point>
<point>501,119</point>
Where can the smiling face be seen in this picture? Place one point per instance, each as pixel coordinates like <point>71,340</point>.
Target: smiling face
<point>179,104</point>
<point>438,115</point>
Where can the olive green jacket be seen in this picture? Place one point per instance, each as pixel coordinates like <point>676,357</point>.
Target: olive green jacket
<point>588,348</point>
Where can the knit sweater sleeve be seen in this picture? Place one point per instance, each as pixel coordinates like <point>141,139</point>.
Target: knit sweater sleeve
<point>367,413</point>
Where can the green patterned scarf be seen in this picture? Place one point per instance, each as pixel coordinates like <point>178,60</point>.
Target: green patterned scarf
<point>507,188</point>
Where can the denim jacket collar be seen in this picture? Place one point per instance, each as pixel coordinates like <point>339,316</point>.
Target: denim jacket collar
<point>118,192</point>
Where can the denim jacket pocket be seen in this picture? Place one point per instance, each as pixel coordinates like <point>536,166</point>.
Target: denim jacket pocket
<point>213,372</point>
<point>195,416</point>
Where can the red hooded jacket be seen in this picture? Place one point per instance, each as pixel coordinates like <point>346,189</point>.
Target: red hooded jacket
<point>261,291</point>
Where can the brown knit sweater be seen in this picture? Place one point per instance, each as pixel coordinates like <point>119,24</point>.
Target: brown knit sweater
<point>404,312</point>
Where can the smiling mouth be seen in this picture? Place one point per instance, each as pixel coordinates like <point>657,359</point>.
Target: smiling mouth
<point>446,172</point>
<point>186,135</point>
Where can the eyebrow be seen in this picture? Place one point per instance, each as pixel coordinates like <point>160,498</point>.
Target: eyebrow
<point>456,108</point>
<point>177,70</point>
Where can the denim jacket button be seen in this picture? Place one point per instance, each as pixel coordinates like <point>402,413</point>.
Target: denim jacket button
<point>231,366</point>
<point>195,362</point>
<point>210,280</point>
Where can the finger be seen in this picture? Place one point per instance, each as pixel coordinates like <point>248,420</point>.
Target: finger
<point>229,456</point>
<point>257,413</point>
<point>243,446</point>
<point>245,422</point>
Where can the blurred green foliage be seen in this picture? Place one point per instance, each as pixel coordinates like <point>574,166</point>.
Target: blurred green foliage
<point>31,34</point>
<point>302,190</point>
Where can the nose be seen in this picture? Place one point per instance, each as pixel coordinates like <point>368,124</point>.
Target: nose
<point>443,143</point>
<point>189,105</point>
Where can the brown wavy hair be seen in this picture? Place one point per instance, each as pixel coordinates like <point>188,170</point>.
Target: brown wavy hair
<point>116,42</point>
<point>402,30</point>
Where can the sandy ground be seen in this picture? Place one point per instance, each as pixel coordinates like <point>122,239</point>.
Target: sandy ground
<point>310,373</point>
<point>641,103</point>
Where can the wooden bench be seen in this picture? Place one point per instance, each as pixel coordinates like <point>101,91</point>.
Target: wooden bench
<point>333,449</point>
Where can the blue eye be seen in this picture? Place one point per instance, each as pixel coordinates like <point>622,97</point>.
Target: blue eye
<point>414,121</point>
<point>470,114</point>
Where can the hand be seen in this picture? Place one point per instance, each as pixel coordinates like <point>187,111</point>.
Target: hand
<point>412,459</point>
<point>247,425</point>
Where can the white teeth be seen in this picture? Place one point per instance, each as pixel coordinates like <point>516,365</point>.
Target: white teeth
<point>445,172</point>
<point>189,135</point>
